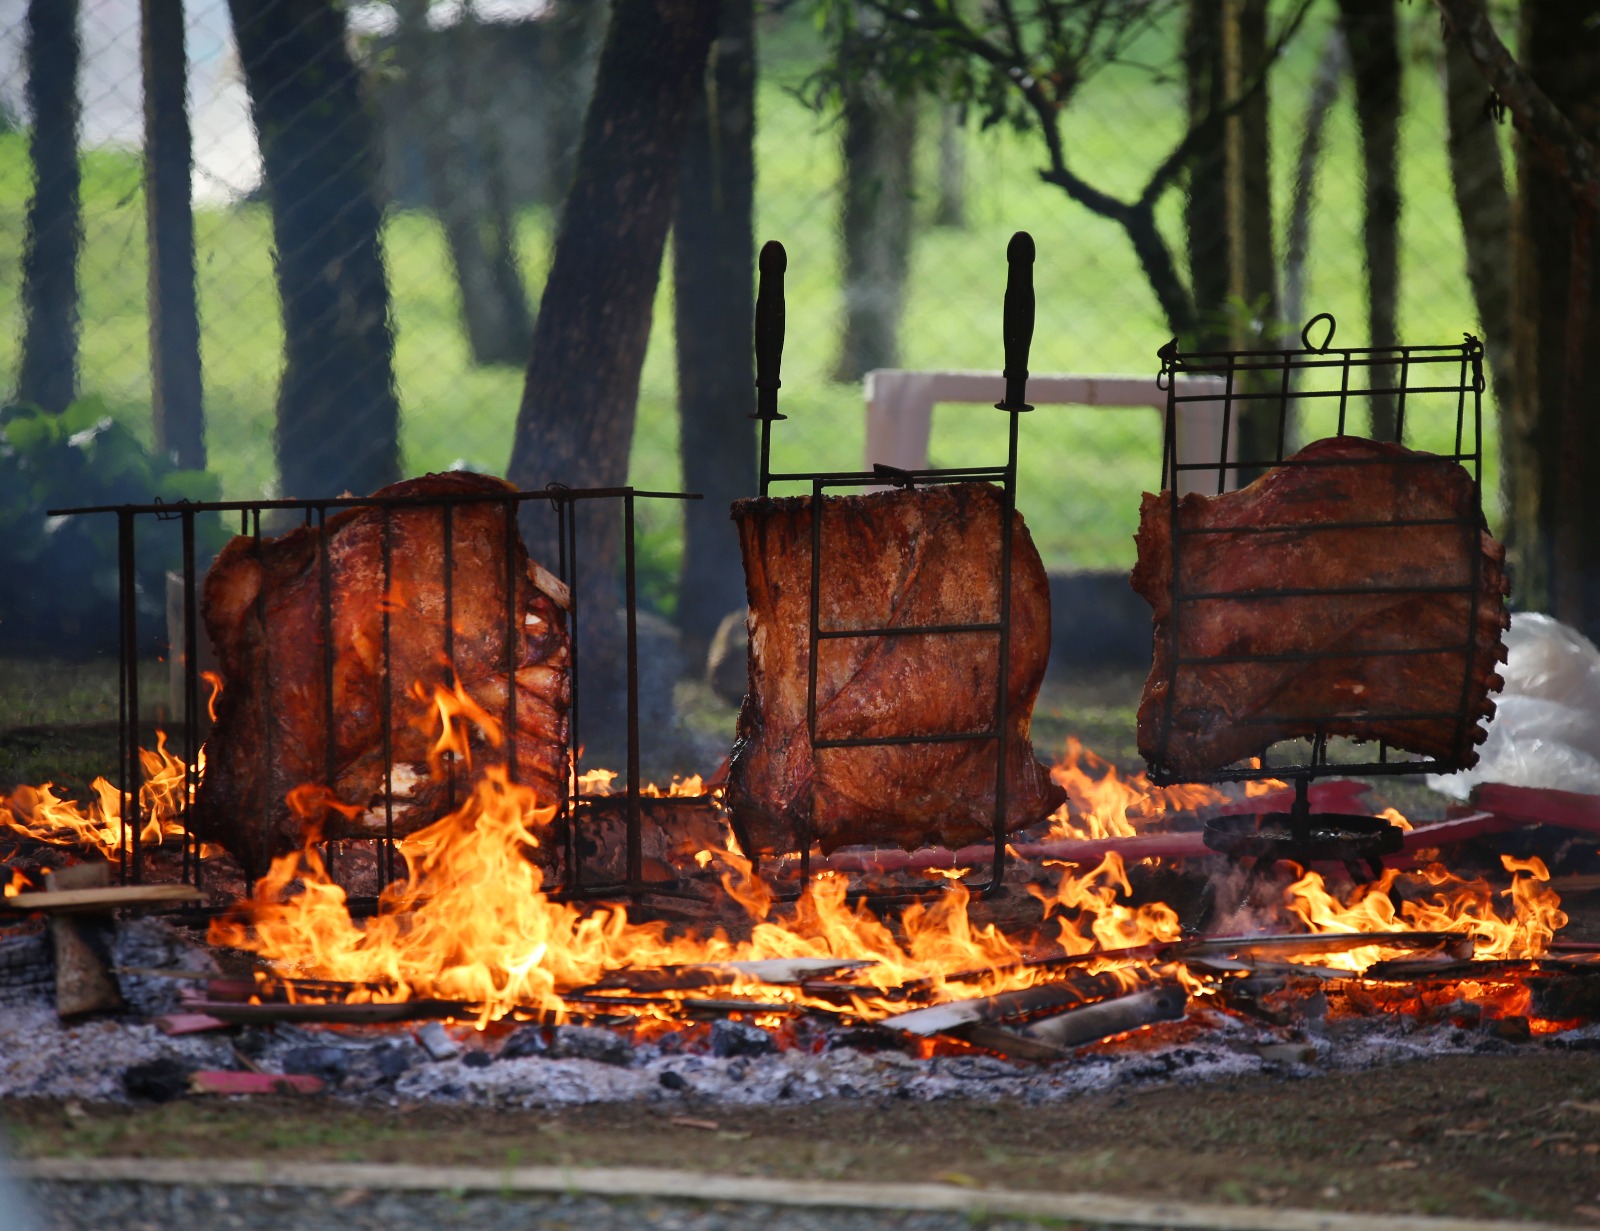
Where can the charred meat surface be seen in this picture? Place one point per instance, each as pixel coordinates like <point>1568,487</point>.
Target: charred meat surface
<point>376,580</point>
<point>900,559</point>
<point>1359,594</point>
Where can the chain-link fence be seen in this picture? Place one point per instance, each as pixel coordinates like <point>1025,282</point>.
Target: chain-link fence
<point>508,129</point>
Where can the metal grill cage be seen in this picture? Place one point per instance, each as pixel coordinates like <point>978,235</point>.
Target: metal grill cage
<point>575,805</point>
<point>1432,396</point>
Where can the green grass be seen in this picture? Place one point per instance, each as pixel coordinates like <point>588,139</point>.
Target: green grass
<point>1082,468</point>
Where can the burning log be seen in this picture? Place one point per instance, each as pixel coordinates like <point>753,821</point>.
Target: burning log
<point>333,642</point>
<point>891,563</point>
<point>1352,590</point>
<point>986,1010</point>
<point>1100,1021</point>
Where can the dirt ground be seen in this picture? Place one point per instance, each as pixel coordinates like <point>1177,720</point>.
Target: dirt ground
<point>1507,1136</point>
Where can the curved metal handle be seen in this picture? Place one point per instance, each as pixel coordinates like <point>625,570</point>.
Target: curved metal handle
<point>769,328</point>
<point>1327,340</point>
<point>1017,323</point>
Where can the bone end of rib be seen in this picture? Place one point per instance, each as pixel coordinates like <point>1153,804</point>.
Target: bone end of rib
<point>548,584</point>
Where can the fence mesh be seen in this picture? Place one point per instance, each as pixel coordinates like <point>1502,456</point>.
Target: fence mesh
<point>1096,314</point>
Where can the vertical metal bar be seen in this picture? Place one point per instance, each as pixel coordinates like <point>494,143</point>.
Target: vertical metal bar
<point>1400,405</point>
<point>812,643</point>
<point>448,515</point>
<point>387,701</point>
<point>330,726</point>
<point>1227,424</point>
<point>129,862</point>
<point>1477,414</point>
<point>630,596</point>
<point>1283,409</point>
<point>569,560</point>
<point>191,705</point>
<point>1002,702</point>
<point>516,637</point>
<point>1344,391</point>
<point>268,710</point>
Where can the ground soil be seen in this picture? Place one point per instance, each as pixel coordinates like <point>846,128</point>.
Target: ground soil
<point>1508,1136</point>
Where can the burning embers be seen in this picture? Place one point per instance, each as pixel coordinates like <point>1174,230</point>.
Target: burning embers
<point>471,930</point>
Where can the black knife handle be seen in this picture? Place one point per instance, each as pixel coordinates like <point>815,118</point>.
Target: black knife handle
<point>1017,324</point>
<point>769,328</point>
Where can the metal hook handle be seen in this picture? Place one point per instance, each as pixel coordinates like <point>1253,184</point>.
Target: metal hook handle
<point>1016,329</point>
<point>1327,341</point>
<point>769,328</point>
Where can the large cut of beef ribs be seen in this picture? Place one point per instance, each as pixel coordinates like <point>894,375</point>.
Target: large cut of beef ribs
<point>1372,607</point>
<point>889,560</point>
<point>267,607</point>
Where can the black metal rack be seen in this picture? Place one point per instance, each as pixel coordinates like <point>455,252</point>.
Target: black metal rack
<point>1017,335</point>
<point>1436,394</point>
<point>563,502</point>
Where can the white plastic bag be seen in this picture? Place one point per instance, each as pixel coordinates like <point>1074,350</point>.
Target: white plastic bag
<point>1546,728</point>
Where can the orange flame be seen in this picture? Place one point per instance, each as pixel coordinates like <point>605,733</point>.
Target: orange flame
<point>1101,803</point>
<point>39,813</point>
<point>1467,907</point>
<point>470,920</point>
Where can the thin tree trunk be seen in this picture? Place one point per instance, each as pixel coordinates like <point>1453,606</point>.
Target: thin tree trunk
<point>48,373</point>
<point>1253,269</point>
<point>575,423</point>
<point>575,30</point>
<point>1297,237</point>
<point>880,132</point>
<point>460,171</point>
<point>950,210</point>
<point>1371,30</point>
<point>338,417</point>
<point>1555,314</point>
<point>1478,181</point>
<point>176,390</point>
<point>713,252</point>
<point>1205,211</point>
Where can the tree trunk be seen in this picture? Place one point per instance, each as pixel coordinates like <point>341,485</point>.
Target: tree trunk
<point>950,210</point>
<point>1297,237</point>
<point>174,315</point>
<point>1205,209</point>
<point>338,417</point>
<point>1371,31</point>
<point>1253,269</point>
<point>575,423</point>
<point>461,171</point>
<point>575,30</point>
<point>880,132</point>
<point>1478,181</point>
<point>1555,316</point>
<point>713,251</point>
<point>48,372</point>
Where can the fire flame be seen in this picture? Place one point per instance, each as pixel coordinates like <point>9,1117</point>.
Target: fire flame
<point>1466,907</point>
<point>470,921</point>
<point>39,813</point>
<point>1101,803</point>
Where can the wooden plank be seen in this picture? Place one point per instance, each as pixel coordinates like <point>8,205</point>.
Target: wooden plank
<point>664,1184</point>
<point>1090,1024</point>
<point>1540,805</point>
<point>82,944</point>
<point>112,897</point>
<point>189,1023</point>
<point>225,1081</point>
<point>338,1012</point>
<point>1323,942</point>
<point>941,1018</point>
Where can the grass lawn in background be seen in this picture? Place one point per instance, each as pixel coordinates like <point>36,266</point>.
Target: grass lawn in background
<point>1082,468</point>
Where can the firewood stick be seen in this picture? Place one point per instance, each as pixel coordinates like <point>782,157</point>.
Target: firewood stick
<point>1099,1021</point>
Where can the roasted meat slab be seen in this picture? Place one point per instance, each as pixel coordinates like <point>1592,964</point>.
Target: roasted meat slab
<point>1368,601</point>
<point>263,606</point>
<point>889,560</point>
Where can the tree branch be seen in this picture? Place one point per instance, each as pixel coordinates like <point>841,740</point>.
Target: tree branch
<point>1545,124</point>
<point>1173,164</point>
